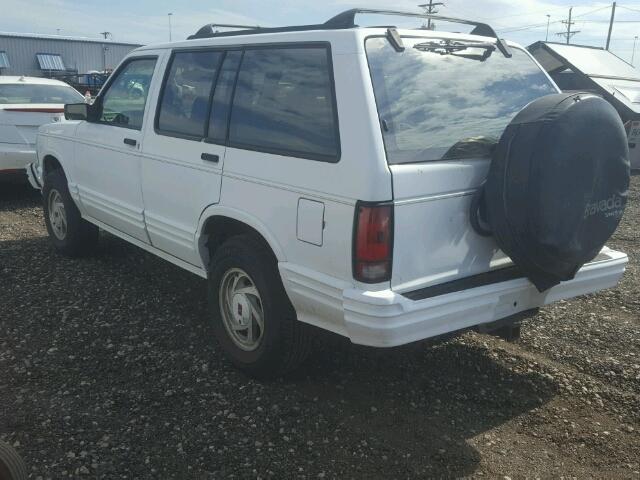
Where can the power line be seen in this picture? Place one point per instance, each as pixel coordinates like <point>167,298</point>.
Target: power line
<point>541,25</point>
<point>592,11</point>
<point>629,8</point>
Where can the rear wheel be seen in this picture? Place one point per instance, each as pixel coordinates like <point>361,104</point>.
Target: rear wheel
<point>11,465</point>
<point>510,333</point>
<point>69,233</point>
<point>253,318</point>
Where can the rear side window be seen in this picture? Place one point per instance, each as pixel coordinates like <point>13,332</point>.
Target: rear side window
<point>34,93</point>
<point>443,102</point>
<point>284,103</point>
<point>184,106</point>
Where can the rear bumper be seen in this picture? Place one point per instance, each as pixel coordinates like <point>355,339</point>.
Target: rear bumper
<point>386,318</point>
<point>16,156</point>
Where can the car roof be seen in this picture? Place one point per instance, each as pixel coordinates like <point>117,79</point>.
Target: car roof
<point>31,80</point>
<point>342,40</point>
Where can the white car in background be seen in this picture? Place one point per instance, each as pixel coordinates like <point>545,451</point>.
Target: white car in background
<point>26,103</point>
<point>633,129</point>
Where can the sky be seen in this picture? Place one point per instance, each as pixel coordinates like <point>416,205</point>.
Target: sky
<point>146,21</point>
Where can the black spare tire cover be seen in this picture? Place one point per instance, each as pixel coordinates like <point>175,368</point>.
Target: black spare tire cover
<point>558,184</point>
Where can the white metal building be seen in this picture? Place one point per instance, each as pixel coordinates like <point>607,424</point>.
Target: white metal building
<point>48,55</point>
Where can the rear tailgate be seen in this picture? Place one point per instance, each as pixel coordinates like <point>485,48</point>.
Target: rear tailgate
<point>19,123</point>
<point>433,240</point>
<point>442,110</point>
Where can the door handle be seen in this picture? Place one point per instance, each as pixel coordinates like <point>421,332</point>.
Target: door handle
<point>210,157</point>
<point>130,141</point>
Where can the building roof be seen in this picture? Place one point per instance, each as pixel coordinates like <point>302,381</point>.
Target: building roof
<point>42,36</point>
<point>610,75</point>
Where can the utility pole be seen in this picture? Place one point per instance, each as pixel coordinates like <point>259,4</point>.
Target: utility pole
<point>613,17</point>
<point>569,33</point>
<point>430,9</point>
<point>106,35</point>
<point>548,22</point>
<point>633,55</point>
<point>169,15</point>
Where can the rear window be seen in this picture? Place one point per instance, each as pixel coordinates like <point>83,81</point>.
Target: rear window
<point>29,93</point>
<point>284,103</point>
<point>448,103</point>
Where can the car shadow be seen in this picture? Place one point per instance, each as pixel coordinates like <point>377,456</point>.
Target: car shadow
<point>19,195</point>
<point>140,326</point>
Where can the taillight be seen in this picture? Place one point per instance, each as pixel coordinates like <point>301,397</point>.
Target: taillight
<point>373,242</point>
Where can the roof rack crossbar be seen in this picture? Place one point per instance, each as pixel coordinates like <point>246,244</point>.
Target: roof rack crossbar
<point>346,19</point>
<point>209,30</point>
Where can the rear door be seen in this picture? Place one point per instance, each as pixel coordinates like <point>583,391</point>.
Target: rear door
<point>442,111</point>
<point>184,150</point>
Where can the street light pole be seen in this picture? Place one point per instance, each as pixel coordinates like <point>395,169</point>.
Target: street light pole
<point>548,22</point>
<point>613,17</point>
<point>633,55</point>
<point>169,15</point>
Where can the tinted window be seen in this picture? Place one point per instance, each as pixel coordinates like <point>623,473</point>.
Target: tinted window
<point>30,93</point>
<point>123,103</point>
<point>222,97</point>
<point>448,103</point>
<point>184,106</point>
<point>284,103</point>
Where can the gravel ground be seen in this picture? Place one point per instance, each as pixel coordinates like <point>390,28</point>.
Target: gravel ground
<point>108,370</point>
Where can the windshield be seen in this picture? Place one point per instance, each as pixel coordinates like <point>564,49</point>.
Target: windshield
<point>34,93</point>
<point>439,100</point>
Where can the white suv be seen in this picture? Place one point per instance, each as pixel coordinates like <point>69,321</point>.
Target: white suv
<point>318,175</point>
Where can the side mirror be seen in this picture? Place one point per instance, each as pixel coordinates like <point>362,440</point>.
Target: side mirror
<point>76,111</point>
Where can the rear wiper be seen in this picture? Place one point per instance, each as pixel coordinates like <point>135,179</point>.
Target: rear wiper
<point>452,47</point>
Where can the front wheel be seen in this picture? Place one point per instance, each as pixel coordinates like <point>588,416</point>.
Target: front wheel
<point>253,319</point>
<point>70,234</point>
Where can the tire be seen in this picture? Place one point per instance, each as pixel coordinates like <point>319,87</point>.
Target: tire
<point>558,185</point>
<point>282,342</point>
<point>11,465</point>
<point>77,237</point>
<point>509,333</point>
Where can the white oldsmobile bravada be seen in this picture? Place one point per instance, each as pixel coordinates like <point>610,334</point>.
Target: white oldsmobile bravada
<point>353,179</point>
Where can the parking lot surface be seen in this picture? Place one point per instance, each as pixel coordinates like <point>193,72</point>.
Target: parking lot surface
<point>108,369</point>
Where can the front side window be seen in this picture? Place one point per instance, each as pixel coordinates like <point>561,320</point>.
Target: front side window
<point>447,101</point>
<point>284,103</point>
<point>124,101</point>
<point>184,107</point>
<point>16,93</point>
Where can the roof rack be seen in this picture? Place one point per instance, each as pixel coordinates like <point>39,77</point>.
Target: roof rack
<point>341,21</point>
<point>210,28</point>
<point>346,19</point>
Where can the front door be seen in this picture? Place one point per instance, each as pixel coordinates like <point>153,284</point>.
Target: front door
<point>107,156</point>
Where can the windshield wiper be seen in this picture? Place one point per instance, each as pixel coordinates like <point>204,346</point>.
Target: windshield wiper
<point>452,47</point>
